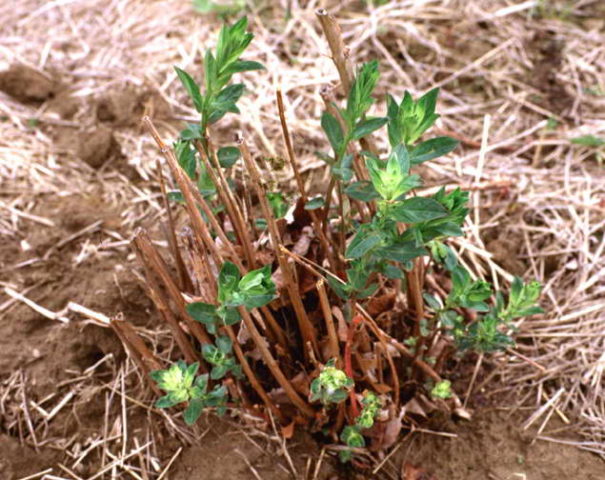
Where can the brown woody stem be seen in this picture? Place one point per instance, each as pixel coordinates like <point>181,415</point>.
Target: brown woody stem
<point>184,279</point>
<point>156,264</point>
<point>273,366</point>
<point>161,303</point>
<point>142,356</point>
<point>299,181</point>
<point>256,385</point>
<point>329,319</point>
<point>306,328</point>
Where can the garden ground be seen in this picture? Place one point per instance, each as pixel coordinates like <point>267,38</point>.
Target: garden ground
<point>77,176</point>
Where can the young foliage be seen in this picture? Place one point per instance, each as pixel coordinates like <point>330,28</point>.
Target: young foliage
<point>354,123</point>
<point>181,385</point>
<point>254,290</point>
<point>409,119</point>
<point>219,67</point>
<point>219,356</point>
<point>332,385</point>
<point>442,389</point>
<point>521,301</point>
<point>351,435</point>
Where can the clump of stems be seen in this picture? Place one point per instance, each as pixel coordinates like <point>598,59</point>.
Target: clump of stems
<point>300,316</point>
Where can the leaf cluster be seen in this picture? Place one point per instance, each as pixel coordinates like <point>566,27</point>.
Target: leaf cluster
<point>351,435</point>
<point>489,332</point>
<point>219,356</point>
<point>219,67</point>
<point>332,385</point>
<point>253,290</point>
<point>182,385</point>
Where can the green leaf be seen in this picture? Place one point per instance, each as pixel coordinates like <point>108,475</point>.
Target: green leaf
<point>410,119</point>
<point>345,456</point>
<point>205,185</point>
<point>232,42</point>
<point>278,204</point>
<point>401,252</point>
<point>392,181</point>
<point>342,170</point>
<point>417,209</point>
<point>351,437</point>
<point>193,131</point>
<point>325,157</point>
<point>244,66</point>
<point>362,243</point>
<point>201,383</point>
<point>442,389</point>
<point>216,397</point>
<point>399,161</point>
<point>210,74</point>
<point>229,95</point>
<point>393,127</point>
<point>315,203</point>
<point>333,131</point>
<point>166,401</point>
<point>225,102</point>
<point>202,312</point>
<point>367,291</point>
<point>186,157</point>
<point>341,289</point>
<point>256,289</point>
<point>433,148</point>
<point>230,316</point>
<point>362,190</point>
<point>219,371</point>
<point>428,102</point>
<point>432,301</point>
<point>192,88</point>
<point>193,411</point>
<point>228,279</point>
<point>391,271</point>
<point>212,354</point>
<point>224,344</point>
<point>365,127</point>
<point>360,96</point>
<point>227,156</point>
<point>588,141</point>
<point>522,300</point>
<point>253,279</point>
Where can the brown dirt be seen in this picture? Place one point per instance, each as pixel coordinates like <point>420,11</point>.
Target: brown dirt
<point>27,84</point>
<point>125,106</point>
<point>226,452</point>
<point>547,51</point>
<point>493,446</point>
<point>97,146</point>
<point>48,352</point>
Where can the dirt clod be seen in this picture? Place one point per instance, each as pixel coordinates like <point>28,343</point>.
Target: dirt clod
<point>97,146</point>
<point>27,85</point>
<point>126,106</point>
<point>17,461</point>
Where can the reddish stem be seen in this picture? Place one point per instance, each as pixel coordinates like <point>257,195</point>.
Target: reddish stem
<point>349,364</point>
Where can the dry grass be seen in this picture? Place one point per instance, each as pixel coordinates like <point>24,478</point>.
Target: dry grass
<point>503,71</point>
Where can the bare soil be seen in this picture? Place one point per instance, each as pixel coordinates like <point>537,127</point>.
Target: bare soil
<point>43,361</point>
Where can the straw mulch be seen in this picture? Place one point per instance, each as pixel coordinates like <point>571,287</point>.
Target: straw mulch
<point>518,82</point>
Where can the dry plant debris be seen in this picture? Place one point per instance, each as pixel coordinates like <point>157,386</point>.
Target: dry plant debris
<point>486,56</point>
